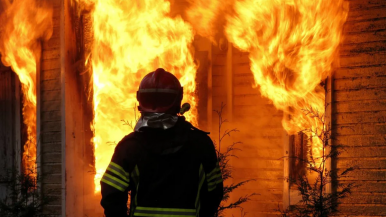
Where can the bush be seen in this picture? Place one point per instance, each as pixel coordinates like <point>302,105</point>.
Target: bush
<point>226,168</point>
<point>23,198</point>
<point>315,201</point>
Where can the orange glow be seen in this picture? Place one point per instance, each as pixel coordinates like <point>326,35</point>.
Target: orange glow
<point>292,45</point>
<point>131,39</point>
<point>205,15</point>
<point>23,25</point>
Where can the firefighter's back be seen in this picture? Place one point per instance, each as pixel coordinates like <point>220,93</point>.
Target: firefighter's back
<point>165,169</point>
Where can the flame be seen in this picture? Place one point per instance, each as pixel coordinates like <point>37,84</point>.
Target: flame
<point>205,16</point>
<point>131,39</point>
<point>292,45</point>
<point>24,24</point>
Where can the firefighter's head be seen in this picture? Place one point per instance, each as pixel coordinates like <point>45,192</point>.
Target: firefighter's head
<point>160,92</point>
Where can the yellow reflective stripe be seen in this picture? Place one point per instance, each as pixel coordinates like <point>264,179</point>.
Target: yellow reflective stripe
<point>116,179</point>
<point>161,215</point>
<point>217,168</point>
<point>120,169</point>
<point>118,174</point>
<point>211,188</point>
<point>156,211</point>
<point>136,170</point>
<point>216,181</point>
<point>165,209</point>
<point>201,176</point>
<point>135,176</point>
<point>198,209</point>
<point>112,184</point>
<point>214,176</point>
<point>214,185</point>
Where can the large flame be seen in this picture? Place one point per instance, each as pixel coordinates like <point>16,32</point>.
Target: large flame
<point>23,25</point>
<point>292,45</point>
<point>131,39</point>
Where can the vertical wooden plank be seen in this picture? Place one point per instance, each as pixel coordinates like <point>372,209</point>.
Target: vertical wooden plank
<point>328,125</point>
<point>63,54</point>
<point>76,113</point>
<point>286,169</point>
<point>38,116</point>
<point>229,80</point>
<point>89,198</point>
<point>17,121</point>
<point>209,110</point>
<point>209,104</point>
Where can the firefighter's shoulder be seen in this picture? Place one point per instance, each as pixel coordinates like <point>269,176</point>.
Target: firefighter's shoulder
<point>128,142</point>
<point>195,129</point>
<point>199,136</point>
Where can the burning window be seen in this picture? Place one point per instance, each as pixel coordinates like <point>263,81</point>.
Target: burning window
<point>298,155</point>
<point>24,23</point>
<point>10,123</point>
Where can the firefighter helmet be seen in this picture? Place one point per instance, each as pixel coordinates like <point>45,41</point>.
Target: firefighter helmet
<point>160,92</point>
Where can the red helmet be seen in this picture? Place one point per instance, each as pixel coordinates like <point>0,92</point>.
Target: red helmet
<point>161,92</point>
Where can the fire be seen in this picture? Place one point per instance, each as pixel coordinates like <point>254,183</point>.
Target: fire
<point>204,16</point>
<point>24,24</point>
<point>131,39</point>
<point>292,45</point>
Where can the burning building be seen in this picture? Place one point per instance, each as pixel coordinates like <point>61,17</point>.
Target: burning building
<point>70,70</point>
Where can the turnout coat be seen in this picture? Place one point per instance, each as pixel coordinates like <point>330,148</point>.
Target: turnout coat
<point>171,172</point>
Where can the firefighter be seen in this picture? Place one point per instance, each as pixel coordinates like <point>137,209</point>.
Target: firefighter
<point>169,167</point>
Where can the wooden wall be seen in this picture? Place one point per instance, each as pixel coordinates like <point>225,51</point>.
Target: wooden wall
<point>262,135</point>
<point>260,131</point>
<point>66,150</point>
<point>359,107</point>
<point>50,113</point>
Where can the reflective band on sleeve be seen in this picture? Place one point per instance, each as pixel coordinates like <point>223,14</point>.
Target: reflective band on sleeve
<point>114,182</point>
<point>119,169</point>
<point>135,174</point>
<point>215,170</point>
<point>215,176</point>
<point>214,179</point>
<point>117,173</point>
<point>201,179</point>
<point>212,185</point>
<point>164,212</point>
<point>135,177</point>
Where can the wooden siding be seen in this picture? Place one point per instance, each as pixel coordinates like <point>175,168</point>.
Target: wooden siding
<point>261,134</point>
<point>50,111</point>
<point>359,107</point>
